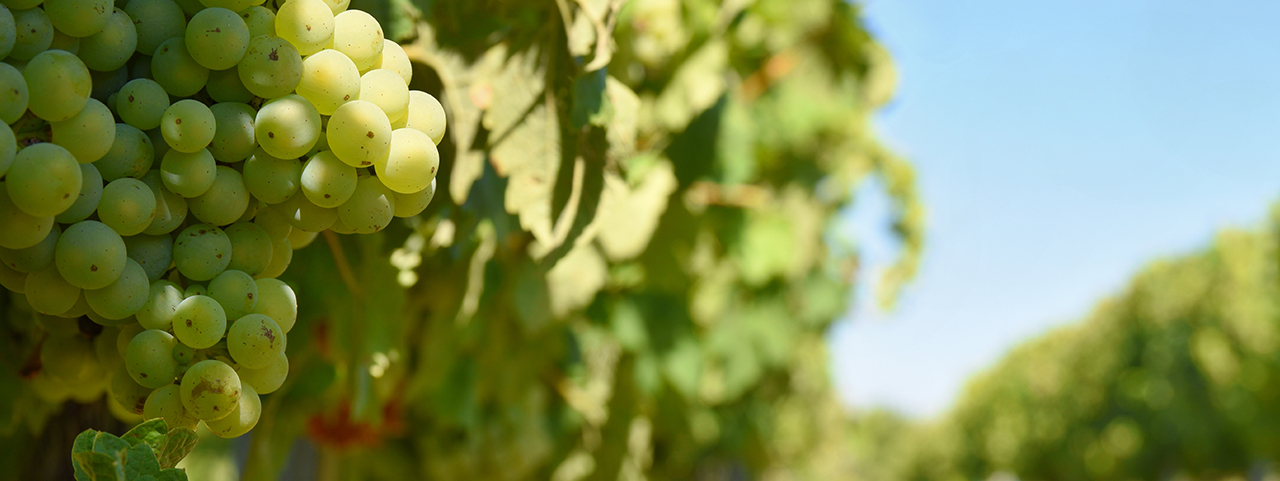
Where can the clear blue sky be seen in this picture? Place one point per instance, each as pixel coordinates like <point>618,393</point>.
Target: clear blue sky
<point>1061,145</point>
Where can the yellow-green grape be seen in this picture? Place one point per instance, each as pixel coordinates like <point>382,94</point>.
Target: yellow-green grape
<point>153,252</point>
<point>49,293</point>
<point>224,201</point>
<point>62,41</point>
<point>307,24</point>
<point>8,32</point>
<point>217,38</point>
<point>184,354</point>
<point>337,6</point>
<point>89,134</point>
<point>302,214</point>
<point>90,255</point>
<point>358,35</point>
<point>8,146</point>
<point>127,333</point>
<point>104,347</point>
<point>58,326</point>
<point>58,85</point>
<point>70,359</point>
<point>255,340</point>
<point>225,86</point>
<point>18,229</point>
<point>201,252</point>
<point>131,155</point>
<point>156,21</point>
<point>235,291</point>
<point>233,5</point>
<point>106,83</point>
<point>166,403</point>
<point>327,181</point>
<point>123,297</point>
<point>141,103</point>
<point>260,20</point>
<point>287,127</point>
<point>78,18</point>
<point>188,126</point>
<point>387,90</point>
<point>110,48</point>
<point>250,248</point>
<point>195,290</point>
<point>131,395</point>
<point>270,179</point>
<point>49,389</point>
<point>274,223</point>
<point>271,67</point>
<point>34,33</point>
<point>242,418</point>
<point>359,133</point>
<point>161,147</point>
<point>300,238</point>
<point>329,79</point>
<point>199,322</point>
<point>171,208</point>
<point>412,164</point>
<point>250,211</point>
<point>127,206</point>
<point>188,174</point>
<point>210,390</point>
<point>162,302</point>
<point>233,140</point>
<point>190,7</point>
<point>79,310</point>
<point>394,59</point>
<point>149,358</point>
<point>409,205</point>
<point>90,390</point>
<point>370,208</point>
<point>13,96</point>
<point>281,256</point>
<point>269,378</point>
<point>33,258</point>
<point>175,70</point>
<point>13,280</point>
<point>425,115</point>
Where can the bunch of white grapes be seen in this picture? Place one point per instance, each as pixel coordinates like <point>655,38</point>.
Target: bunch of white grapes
<point>159,162</point>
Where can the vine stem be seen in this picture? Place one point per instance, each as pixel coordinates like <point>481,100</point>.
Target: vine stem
<point>344,266</point>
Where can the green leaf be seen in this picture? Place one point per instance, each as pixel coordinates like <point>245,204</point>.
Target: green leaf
<point>97,466</point>
<point>145,477</point>
<point>109,444</point>
<point>150,432</point>
<point>629,217</point>
<point>590,104</point>
<point>682,366</point>
<point>84,442</point>
<point>172,474</point>
<point>624,122</point>
<point>695,87</point>
<point>140,460</point>
<point>575,280</point>
<point>178,443</point>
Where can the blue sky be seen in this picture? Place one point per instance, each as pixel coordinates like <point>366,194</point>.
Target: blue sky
<point>1060,145</point>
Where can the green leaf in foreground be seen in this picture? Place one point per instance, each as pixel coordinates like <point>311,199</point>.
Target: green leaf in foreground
<point>178,443</point>
<point>96,466</point>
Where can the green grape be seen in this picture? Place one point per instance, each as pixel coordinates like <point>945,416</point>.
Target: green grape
<point>70,359</point>
<point>250,211</point>
<point>127,206</point>
<point>13,96</point>
<point>358,35</point>
<point>89,134</point>
<point>195,290</point>
<point>188,174</point>
<point>34,33</point>
<point>8,147</point>
<point>425,115</point>
<point>131,395</point>
<point>394,59</point>
<point>271,67</point>
<point>131,155</point>
<point>242,418</point>
<point>210,390</point>
<point>412,164</point>
<point>44,180</point>
<point>149,358</point>
<point>58,85</point>
<point>199,322</point>
<point>141,103</point>
<point>13,280</point>
<point>235,291</point>
<point>409,205</point>
<point>326,181</point>
<point>103,321</point>
<point>123,297</point>
<point>109,49</point>
<point>233,139</point>
<point>272,180</point>
<point>161,147</point>
<point>288,126</point>
<point>301,238</point>
<point>127,332</point>
<point>224,201</point>
<point>225,86</point>
<point>260,20</point>
<point>337,6</point>
<point>104,348</point>
<point>78,18</point>
<point>49,389</point>
<point>90,390</point>
<point>175,70</point>
<point>322,143</point>
<point>370,208</point>
<point>201,252</point>
<point>250,248</point>
<point>18,229</point>
<point>62,41</point>
<point>33,258</point>
<point>156,21</point>
<point>277,301</point>
<point>140,66</point>
<point>234,5</point>
<point>49,293</point>
<point>166,403</point>
<point>107,83</point>
<point>302,214</point>
<point>359,133</point>
<point>153,252</point>
<point>79,310</point>
<point>387,90</point>
<point>255,340</point>
<point>59,326</point>
<point>281,256</point>
<point>184,354</point>
<point>171,208</point>
<point>162,302</point>
<point>217,38</point>
<point>275,224</point>
<point>8,32</point>
<point>188,126</point>
<point>329,79</point>
<point>90,255</point>
<point>307,24</point>
<point>190,7</point>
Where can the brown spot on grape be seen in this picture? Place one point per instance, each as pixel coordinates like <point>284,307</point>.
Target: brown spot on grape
<point>370,134</point>
<point>130,98</point>
<point>66,195</point>
<point>93,267</point>
<point>188,322</point>
<point>346,97</point>
<point>271,134</point>
<point>274,55</point>
<point>202,231</point>
<point>251,295</point>
<point>177,121</point>
<point>326,196</point>
<point>269,334</point>
<point>308,28</point>
<point>143,374</point>
<point>219,256</point>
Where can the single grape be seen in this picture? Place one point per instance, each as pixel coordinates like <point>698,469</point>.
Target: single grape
<point>153,252</point>
<point>272,180</point>
<point>166,403</point>
<point>142,102</point>
<point>337,6</point>
<point>287,127</point>
<point>301,238</point>
<point>104,348</point>
<point>235,291</point>
<point>281,256</point>
<point>58,85</point>
<point>195,290</point>
<point>131,395</point>
<point>156,21</point>
<point>199,322</point>
<point>224,202</point>
<point>49,293</point>
<point>13,280</point>
<point>70,359</point>
<point>307,24</point>
<point>175,70</point>
<point>201,252</point>
<point>44,180</point>
<point>217,38</point>
<point>271,67</point>
<point>329,79</point>
<point>275,224</point>
<point>184,354</point>
<point>59,326</point>
<point>188,174</point>
<point>8,31</point>
<point>277,301</point>
<point>225,86</point>
<point>49,389</point>
<point>370,208</point>
<point>326,181</point>
<point>387,90</point>
<point>123,297</point>
<point>33,258</point>
<point>81,309</point>
<point>162,303</point>
<point>302,214</point>
<point>127,332</point>
<point>110,48</point>
<point>394,59</point>
<point>62,41</point>
<point>89,134</point>
<point>13,96</point>
<point>233,140</point>
<point>188,126</point>
<point>255,340</point>
<point>106,83</point>
<point>425,115</point>
<point>359,134</point>
<point>242,418</point>
<point>149,358</point>
<point>210,390</point>
<point>131,155</point>
<point>409,205</point>
<point>260,20</point>
<point>250,248</point>
<point>8,146</point>
<point>18,229</point>
<point>358,35</point>
<point>34,33</point>
<point>78,18</point>
<point>171,208</point>
<point>127,206</point>
<point>412,163</point>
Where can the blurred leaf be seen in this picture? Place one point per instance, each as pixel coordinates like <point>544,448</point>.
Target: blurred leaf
<point>150,432</point>
<point>590,103</point>
<point>629,217</point>
<point>178,442</point>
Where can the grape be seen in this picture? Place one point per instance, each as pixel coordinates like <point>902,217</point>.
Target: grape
<point>44,180</point>
<point>32,258</point>
<point>127,332</point>
<point>13,280</point>
<point>188,174</point>
<point>153,252</point>
<point>224,202</point>
<point>90,255</point>
<point>281,256</point>
<point>358,35</point>
<point>195,290</point>
<point>201,252</point>
<point>149,358</point>
<point>277,301</point>
<point>62,41</point>
<point>70,359</point>
<point>104,348</point>
<point>13,95</point>
<point>359,133</point>
<point>90,390</point>
<point>329,79</point>
<point>302,214</point>
<point>326,181</point>
<point>127,206</point>
<point>199,322</point>
<point>233,139</point>
<point>123,297</point>
<point>260,21</point>
<point>140,66</point>
<point>49,389</point>
<point>275,224</point>
<point>271,67</point>
<point>394,59</point>
<point>425,115</point>
<point>250,248</point>
<point>162,302</point>
<point>106,83</point>
<point>124,390</point>
<point>387,90</point>
<point>235,291</point>
<point>250,211</point>
<point>242,418</point>
<point>58,85</point>
<point>217,38</point>
<point>337,6</point>
<point>141,104</point>
<point>49,293</point>
<point>34,33</point>
<point>409,205</point>
<point>184,354</point>
<point>225,86</point>
<point>8,32</point>
<point>161,147</point>
<point>18,229</point>
<point>80,309</point>
<point>109,49</point>
<point>166,403</point>
<point>8,146</point>
<point>78,18</point>
<point>131,155</point>
<point>156,22</point>
<point>59,326</point>
<point>287,127</point>
<point>270,179</point>
<point>171,208</point>
<point>255,340</point>
<point>307,24</point>
<point>175,70</point>
<point>210,390</point>
<point>188,126</point>
<point>412,164</point>
<point>89,134</point>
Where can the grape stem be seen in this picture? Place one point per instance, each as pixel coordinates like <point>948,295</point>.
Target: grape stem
<point>344,266</point>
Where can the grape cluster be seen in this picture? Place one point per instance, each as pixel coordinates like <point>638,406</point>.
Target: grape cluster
<point>160,160</point>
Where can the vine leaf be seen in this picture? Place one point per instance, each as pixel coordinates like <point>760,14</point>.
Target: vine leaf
<point>172,474</point>
<point>96,466</point>
<point>178,443</point>
<point>629,216</point>
<point>150,432</point>
<point>139,460</point>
